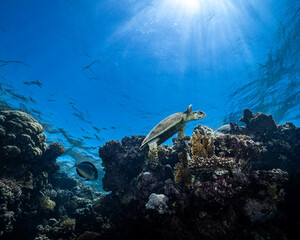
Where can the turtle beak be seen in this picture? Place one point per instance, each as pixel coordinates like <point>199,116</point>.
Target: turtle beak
<point>203,114</point>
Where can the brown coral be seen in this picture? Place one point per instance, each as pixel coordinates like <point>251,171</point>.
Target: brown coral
<point>202,145</point>
<point>21,138</point>
<point>56,149</point>
<point>203,155</point>
<point>182,174</point>
<point>223,152</point>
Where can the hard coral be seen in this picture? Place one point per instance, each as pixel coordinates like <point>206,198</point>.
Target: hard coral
<point>211,164</point>
<point>46,204</point>
<point>10,197</point>
<point>68,224</point>
<point>23,146</point>
<point>56,149</point>
<point>21,136</point>
<point>13,187</point>
<point>203,155</point>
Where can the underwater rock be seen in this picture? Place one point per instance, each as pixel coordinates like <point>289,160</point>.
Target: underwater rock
<point>53,151</point>
<point>259,211</point>
<point>281,141</point>
<point>240,147</point>
<point>259,123</point>
<point>220,188</point>
<point>210,132</point>
<point>225,129</point>
<point>122,161</point>
<point>158,202</point>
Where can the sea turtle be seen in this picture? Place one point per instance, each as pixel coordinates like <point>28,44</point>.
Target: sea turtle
<point>169,126</point>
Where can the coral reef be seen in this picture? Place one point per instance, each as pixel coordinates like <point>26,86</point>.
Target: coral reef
<point>37,202</point>
<point>207,186</point>
<point>232,183</point>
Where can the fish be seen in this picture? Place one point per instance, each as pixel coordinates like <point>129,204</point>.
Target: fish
<point>97,129</point>
<point>90,65</point>
<point>15,95</point>
<point>97,137</point>
<point>4,62</point>
<point>87,137</point>
<point>87,170</point>
<point>37,82</point>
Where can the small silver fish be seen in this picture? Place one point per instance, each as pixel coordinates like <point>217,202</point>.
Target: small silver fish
<point>87,170</point>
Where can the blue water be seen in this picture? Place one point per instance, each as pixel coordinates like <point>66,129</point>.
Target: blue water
<point>93,71</point>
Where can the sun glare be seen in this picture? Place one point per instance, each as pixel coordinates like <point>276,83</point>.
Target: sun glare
<point>190,6</point>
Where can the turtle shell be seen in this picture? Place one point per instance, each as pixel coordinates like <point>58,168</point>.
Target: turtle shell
<point>165,129</point>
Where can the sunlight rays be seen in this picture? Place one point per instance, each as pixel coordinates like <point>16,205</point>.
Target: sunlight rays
<point>206,37</point>
<point>173,22</point>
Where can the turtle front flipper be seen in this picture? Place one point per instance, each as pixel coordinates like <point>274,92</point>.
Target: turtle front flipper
<point>181,132</point>
<point>153,152</point>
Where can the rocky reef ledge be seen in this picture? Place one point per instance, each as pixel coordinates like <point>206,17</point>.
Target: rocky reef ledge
<point>236,182</point>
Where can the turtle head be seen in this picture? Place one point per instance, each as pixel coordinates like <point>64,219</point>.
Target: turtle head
<point>196,115</point>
